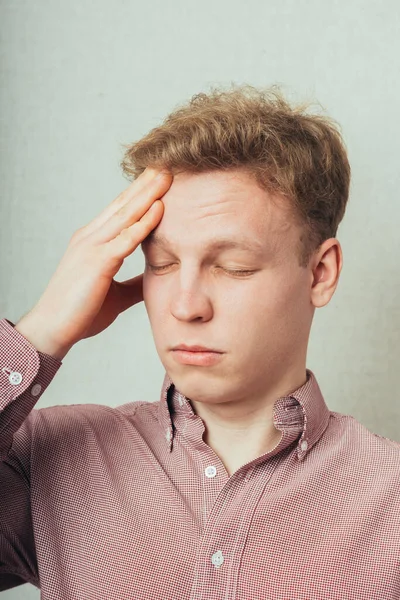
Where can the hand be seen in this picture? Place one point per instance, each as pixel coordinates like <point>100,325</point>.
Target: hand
<point>82,298</point>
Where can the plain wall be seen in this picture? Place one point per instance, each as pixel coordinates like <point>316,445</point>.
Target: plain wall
<point>80,79</point>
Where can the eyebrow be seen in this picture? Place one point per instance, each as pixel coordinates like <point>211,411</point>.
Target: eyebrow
<point>159,240</point>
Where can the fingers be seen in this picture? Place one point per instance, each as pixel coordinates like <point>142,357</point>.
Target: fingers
<point>130,237</point>
<point>121,200</point>
<point>132,210</point>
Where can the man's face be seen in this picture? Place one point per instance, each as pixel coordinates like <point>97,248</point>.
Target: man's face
<point>260,320</point>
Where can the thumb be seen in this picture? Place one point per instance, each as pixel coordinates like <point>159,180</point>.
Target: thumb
<point>130,292</point>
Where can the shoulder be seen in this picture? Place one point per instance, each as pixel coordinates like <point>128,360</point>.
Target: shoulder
<point>81,422</point>
<point>85,412</point>
<point>361,444</point>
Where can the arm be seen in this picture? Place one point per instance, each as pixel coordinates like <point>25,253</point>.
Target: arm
<point>20,362</point>
<point>81,300</point>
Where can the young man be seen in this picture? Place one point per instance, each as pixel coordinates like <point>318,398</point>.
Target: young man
<point>239,483</point>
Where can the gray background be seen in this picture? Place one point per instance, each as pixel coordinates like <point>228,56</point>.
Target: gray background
<point>79,79</point>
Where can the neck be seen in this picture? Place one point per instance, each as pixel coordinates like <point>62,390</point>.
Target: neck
<point>239,431</point>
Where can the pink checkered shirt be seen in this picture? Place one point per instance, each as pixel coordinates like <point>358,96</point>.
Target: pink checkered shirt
<point>130,503</point>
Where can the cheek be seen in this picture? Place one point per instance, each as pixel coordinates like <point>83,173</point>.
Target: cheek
<point>269,304</point>
<point>151,287</point>
<point>155,297</point>
<point>248,298</point>
<point>146,287</point>
<point>149,294</point>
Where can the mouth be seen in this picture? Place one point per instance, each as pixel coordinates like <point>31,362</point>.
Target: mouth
<point>195,348</point>
<point>201,358</point>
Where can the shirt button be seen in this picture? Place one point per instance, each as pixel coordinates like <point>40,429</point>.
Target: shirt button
<point>304,445</point>
<point>15,378</point>
<point>210,471</point>
<point>217,558</point>
<point>37,388</point>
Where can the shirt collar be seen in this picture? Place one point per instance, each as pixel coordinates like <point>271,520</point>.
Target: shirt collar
<point>304,409</point>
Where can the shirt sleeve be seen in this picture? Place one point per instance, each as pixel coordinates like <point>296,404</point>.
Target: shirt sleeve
<point>25,374</point>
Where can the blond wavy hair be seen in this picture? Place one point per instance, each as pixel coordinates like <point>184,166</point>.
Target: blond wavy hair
<point>290,152</point>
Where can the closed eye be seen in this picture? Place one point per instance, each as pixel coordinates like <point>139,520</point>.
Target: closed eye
<point>239,272</point>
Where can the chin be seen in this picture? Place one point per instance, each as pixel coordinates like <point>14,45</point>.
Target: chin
<point>199,383</point>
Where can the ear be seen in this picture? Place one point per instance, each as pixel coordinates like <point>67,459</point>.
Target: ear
<point>326,267</point>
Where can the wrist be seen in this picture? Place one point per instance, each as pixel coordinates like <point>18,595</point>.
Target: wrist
<point>33,328</point>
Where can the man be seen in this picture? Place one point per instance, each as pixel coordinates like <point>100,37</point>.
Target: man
<point>239,483</point>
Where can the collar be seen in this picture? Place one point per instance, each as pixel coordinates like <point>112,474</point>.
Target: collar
<point>303,413</point>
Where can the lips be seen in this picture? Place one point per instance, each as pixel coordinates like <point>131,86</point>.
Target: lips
<point>197,358</point>
<point>195,348</point>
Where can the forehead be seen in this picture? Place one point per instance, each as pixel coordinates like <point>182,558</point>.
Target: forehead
<point>216,208</point>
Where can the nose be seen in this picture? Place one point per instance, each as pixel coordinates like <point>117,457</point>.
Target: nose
<point>191,302</point>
